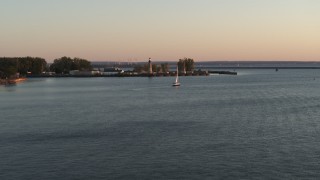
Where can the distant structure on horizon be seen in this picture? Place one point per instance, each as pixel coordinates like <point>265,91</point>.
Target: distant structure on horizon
<point>150,66</point>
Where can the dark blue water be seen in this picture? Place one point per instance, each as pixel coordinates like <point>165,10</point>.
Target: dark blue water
<point>260,124</point>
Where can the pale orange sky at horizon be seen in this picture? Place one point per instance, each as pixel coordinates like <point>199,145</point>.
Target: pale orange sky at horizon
<point>166,30</point>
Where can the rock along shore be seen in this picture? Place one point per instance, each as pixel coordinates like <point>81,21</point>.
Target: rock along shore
<point>11,81</point>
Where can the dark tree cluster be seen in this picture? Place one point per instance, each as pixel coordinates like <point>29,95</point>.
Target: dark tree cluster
<point>23,65</point>
<point>64,65</point>
<point>186,64</point>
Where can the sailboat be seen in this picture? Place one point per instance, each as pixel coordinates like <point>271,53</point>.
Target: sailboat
<point>176,83</point>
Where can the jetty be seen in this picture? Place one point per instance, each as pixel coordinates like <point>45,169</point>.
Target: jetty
<point>223,72</point>
<point>120,74</point>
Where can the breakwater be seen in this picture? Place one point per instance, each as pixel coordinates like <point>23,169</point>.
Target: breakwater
<point>124,74</point>
<point>223,72</point>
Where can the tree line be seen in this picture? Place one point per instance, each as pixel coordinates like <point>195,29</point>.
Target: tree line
<point>22,65</point>
<point>184,65</point>
<point>64,65</point>
<point>10,66</point>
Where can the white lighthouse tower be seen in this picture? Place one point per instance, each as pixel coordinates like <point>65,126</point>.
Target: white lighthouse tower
<point>150,66</point>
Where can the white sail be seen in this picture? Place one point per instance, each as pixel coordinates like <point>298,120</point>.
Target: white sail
<point>176,83</point>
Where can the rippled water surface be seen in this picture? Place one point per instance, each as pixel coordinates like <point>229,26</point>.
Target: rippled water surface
<point>260,124</point>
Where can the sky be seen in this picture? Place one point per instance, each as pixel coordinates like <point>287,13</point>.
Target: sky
<point>165,30</point>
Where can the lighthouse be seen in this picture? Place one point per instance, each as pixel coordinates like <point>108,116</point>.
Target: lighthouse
<point>150,66</point>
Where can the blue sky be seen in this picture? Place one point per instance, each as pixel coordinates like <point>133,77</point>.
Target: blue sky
<point>133,30</point>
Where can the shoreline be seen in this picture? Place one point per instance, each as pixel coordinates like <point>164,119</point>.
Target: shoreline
<point>11,81</point>
<point>125,74</point>
<point>132,74</point>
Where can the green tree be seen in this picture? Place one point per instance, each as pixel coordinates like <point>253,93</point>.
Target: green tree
<point>38,65</point>
<point>186,64</point>
<point>66,64</point>
<point>62,65</point>
<point>24,65</point>
<point>189,64</point>
<point>8,67</point>
<point>181,65</point>
<point>81,64</point>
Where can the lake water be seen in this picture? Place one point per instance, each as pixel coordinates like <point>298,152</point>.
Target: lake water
<point>260,124</point>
